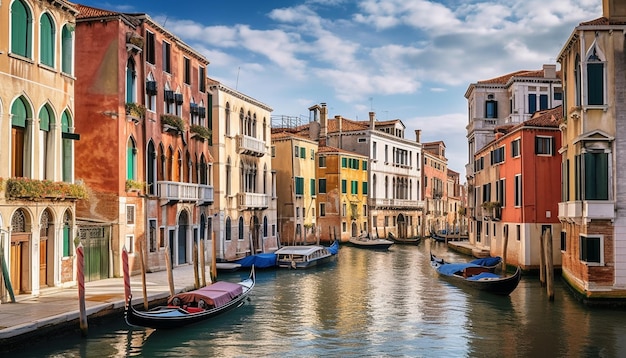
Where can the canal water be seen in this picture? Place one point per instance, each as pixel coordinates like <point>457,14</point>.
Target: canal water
<point>370,304</point>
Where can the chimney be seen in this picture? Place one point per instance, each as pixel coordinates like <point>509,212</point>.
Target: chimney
<point>324,128</point>
<point>418,135</point>
<point>614,10</point>
<point>372,120</point>
<point>549,71</point>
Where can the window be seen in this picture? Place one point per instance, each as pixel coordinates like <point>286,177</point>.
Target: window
<point>532,103</point>
<point>299,186</point>
<point>296,151</point>
<point>202,80</point>
<point>228,230</point>
<point>131,159</point>
<point>322,209</point>
<point>595,78</point>
<point>479,164</point>
<point>186,70</point>
<point>46,40</point>
<point>20,110</point>
<point>354,187</point>
<point>497,155</point>
<point>149,51</point>
<point>591,249</point>
<point>151,92</point>
<point>364,188</point>
<point>515,148</point>
<point>487,192</point>
<point>364,164</point>
<point>312,154</point>
<point>344,162</point>
<point>240,229</point>
<point>313,187</point>
<point>130,214</point>
<point>344,186</point>
<point>322,186</point>
<point>500,191</point>
<point>166,57</point>
<point>543,101</point>
<point>491,108</point>
<point>543,145</point>
<point>21,30</point>
<point>563,241</point>
<point>129,243</point>
<point>67,46</point>
<point>518,190</point>
<point>344,209</point>
<point>596,176</point>
<point>302,152</point>
<point>322,162</point>
<point>46,140</point>
<point>131,79</point>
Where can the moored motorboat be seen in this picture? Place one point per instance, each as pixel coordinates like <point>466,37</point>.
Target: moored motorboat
<point>193,306</point>
<point>475,276</point>
<point>371,243</point>
<point>305,256</point>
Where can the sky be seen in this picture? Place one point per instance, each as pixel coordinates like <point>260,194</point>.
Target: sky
<point>411,60</point>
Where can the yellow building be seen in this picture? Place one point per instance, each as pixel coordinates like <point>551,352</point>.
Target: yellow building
<point>36,144</point>
<point>343,190</point>
<point>293,159</point>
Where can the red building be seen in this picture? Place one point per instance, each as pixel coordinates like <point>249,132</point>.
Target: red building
<point>517,190</point>
<point>144,151</point>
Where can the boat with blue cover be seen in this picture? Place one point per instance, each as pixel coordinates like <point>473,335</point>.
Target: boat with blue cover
<point>474,276</point>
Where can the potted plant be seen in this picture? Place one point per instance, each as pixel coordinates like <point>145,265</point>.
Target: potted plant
<point>200,132</point>
<point>135,110</point>
<point>24,188</point>
<point>134,185</point>
<point>172,123</point>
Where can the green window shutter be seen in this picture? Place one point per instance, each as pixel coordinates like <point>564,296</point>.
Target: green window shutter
<point>299,186</point>
<point>46,40</point>
<point>312,186</point>
<point>44,119</point>
<point>19,113</point>
<point>66,150</point>
<point>66,49</point>
<point>344,186</point>
<point>595,83</point>
<point>344,162</point>
<point>354,186</point>
<point>365,165</point>
<point>364,188</point>
<point>21,36</point>
<point>66,241</point>
<point>302,152</point>
<point>596,176</point>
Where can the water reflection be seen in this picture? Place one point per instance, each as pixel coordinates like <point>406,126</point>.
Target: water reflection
<point>372,303</point>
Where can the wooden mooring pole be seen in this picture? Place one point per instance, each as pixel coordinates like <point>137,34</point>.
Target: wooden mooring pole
<point>143,275</point>
<point>196,276</point>
<point>202,264</point>
<point>505,245</point>
<point>168,267</point>
<point>542,260</point>
<point>549,264</point>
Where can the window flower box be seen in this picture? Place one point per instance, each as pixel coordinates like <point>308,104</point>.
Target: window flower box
<point>30,189</point>
<point>172,123</point>
<point>134,185</point>
<point>199,132</point>
<point>135,112</point>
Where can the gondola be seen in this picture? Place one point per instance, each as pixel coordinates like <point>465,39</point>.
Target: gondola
<point>194,306</point>
<point>476,276</point>
<point>404,241</point>
<point>490,262</point>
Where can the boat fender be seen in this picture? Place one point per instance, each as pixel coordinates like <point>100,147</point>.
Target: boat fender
<point>176,301</point>
<point>293,264</point>
<point>202,304</point>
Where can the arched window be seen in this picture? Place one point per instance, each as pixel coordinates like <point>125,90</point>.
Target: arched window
<point>169,158</point>
<point>265,226</point>
<point>202,226</point>
<point>151,165</point>
<point>67,234</point>
<point>595,76</point>
<point>577,87</point>
<point>46,141</point>
<point>131,159</point>
<point>228,229</point>
<point>240,228</point>
<point>264,129</point>
<point>67,46</point>
<point>241,123</point>
<point>21,29</point>
<point>228,177</point>
<point>131,81</point>
<point>203,170</point>
<point>46,40</point>
<point>67,148</point>
<point>20,111</point>
<point>265,179</point>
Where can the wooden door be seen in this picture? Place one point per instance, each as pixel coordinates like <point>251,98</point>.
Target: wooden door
<point>16,266</point>
<point>43,265</point>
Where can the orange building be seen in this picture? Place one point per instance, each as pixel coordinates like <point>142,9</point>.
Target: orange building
<point>516,190</point>
<point>435,186</point>
<point>144,152</point>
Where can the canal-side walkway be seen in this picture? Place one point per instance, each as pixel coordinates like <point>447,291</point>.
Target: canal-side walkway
<point>58,308</point>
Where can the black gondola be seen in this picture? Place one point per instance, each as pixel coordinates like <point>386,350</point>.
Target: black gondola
<point>404,241</point>
<point>194,306</point>
<point>476,276</point>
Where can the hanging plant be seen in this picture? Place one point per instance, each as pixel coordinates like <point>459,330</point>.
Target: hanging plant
<point>24,188</point>
<point>173,121</point>
<point>135,110</point>
<point>200,131</point>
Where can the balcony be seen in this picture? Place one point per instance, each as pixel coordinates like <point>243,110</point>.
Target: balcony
<point>396,203</point>
<point>251,146</point>
<point>186,192</point>
<point>481,124</point>
<point>589,210</point>
<point>252,201</point>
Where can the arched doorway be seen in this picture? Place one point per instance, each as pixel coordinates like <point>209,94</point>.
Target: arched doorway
<point>20,248</point>
<point>402,229</point>
<point>183,223</point>
<point>46,248</point>
<point>355,229</point>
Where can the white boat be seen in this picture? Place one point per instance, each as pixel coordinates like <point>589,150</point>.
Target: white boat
<point>298,257</point>
<point>369,243</point>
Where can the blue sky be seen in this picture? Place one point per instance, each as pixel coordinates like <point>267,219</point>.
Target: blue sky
<point>407,59</point>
